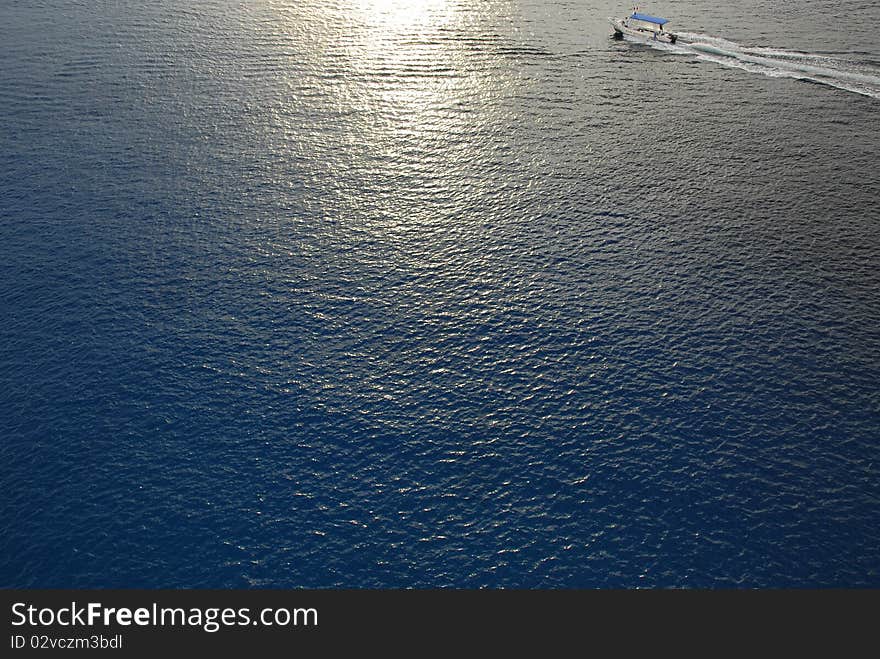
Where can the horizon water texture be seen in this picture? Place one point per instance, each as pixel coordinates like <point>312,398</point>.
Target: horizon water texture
<point>451,293</point>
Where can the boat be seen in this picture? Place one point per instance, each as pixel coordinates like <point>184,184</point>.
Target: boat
<point>643,27</point>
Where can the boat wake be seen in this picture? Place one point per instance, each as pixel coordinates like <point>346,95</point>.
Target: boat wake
<point>847,72</point>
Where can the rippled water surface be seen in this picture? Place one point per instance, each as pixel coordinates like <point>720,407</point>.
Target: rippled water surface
<point>374,293</point>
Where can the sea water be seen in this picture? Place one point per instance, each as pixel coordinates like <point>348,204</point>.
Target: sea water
<point>374,293</point>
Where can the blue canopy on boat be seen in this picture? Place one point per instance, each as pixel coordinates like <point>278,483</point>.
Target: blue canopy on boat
<point>649,19</point>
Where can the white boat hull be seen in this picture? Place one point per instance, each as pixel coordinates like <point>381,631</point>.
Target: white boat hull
<point>623,27</point>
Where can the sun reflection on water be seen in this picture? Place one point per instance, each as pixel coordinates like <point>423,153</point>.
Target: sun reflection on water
<point>404,68</point>
<point>405,14</point>
<point>405,89</point>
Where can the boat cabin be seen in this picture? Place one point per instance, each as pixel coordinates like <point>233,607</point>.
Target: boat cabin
<point>645,22</point>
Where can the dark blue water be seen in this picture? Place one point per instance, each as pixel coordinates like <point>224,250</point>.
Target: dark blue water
<point>371,293</point>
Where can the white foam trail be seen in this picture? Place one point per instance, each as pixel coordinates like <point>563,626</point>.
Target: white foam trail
<point>837,72</point>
